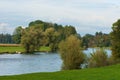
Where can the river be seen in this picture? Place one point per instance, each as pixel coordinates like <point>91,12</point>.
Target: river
<point>14,64</point>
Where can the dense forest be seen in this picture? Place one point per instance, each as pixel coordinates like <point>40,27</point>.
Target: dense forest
<point>6,38</point>
<point>51,34</point>
<point>98,40</point>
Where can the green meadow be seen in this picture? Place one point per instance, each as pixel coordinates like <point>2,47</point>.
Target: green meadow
<point>13,48</point>
<point>45,49</point>
<point>104,73</point>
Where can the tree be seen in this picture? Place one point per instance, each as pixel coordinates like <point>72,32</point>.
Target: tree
<point>6,38</point>
<point>71,53</point>
<point>52,34</point>
<point>31,39</point>
<point>41,24</point>
<point>98,40</point>
<point>115,38</point>
<point>53,38</point>
<point>87,41</point>
<point>69,30</point>
<point>98,58</point>
<point>17,35</point>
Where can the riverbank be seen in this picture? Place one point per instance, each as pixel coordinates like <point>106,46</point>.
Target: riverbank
<point>11,49</point>
<point>17,48</point>
<point>104,73</point>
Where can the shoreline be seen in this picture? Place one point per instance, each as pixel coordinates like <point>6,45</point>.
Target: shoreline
<point>18,49</point>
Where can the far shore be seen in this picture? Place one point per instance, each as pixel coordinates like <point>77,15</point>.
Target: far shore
<point>18,49</point>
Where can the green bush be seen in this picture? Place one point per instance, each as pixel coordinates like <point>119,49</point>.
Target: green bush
<point>71,53</point>
<point>115,41</point>
<point>98,58</point>
<point>113,60</point>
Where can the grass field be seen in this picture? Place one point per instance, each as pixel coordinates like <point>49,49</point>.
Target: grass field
<point>45,49</point>
<point>13,48</point>
<point>8,45</point>
<point>104,73</point>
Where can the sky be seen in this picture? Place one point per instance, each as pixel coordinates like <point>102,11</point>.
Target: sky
<point>88,16</point>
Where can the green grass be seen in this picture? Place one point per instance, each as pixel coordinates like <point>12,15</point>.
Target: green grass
<point>44,48</point>
<point>11,49</point>
<point>104,73</point>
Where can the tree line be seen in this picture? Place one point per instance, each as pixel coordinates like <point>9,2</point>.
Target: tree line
<point>98,40</point>
<point>52,34</point>
<point>6,38</point>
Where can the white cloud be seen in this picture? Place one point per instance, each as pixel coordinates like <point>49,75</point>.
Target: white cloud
<point>3,25</point>
<point>5,28</point>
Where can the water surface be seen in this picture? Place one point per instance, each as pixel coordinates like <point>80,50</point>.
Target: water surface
<point>13,64</point>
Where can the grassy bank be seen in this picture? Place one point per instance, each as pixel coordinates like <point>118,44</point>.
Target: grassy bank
<point>45,49</point>
<point>13,48</point>
<point>104,73</point>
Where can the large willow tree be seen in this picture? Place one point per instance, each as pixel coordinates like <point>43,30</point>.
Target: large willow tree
<point>31,39</point>
<point>115,39</point>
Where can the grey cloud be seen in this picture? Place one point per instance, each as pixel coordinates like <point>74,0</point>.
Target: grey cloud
<point>83,13</point>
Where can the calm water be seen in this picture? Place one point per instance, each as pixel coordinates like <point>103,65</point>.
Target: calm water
<point>13,64</point>
<point>90,50</point>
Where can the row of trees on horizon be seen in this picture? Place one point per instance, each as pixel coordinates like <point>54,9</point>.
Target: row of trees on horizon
<point>98,40</point>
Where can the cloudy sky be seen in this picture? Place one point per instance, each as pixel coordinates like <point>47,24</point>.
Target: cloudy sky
<point>88,16</point>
